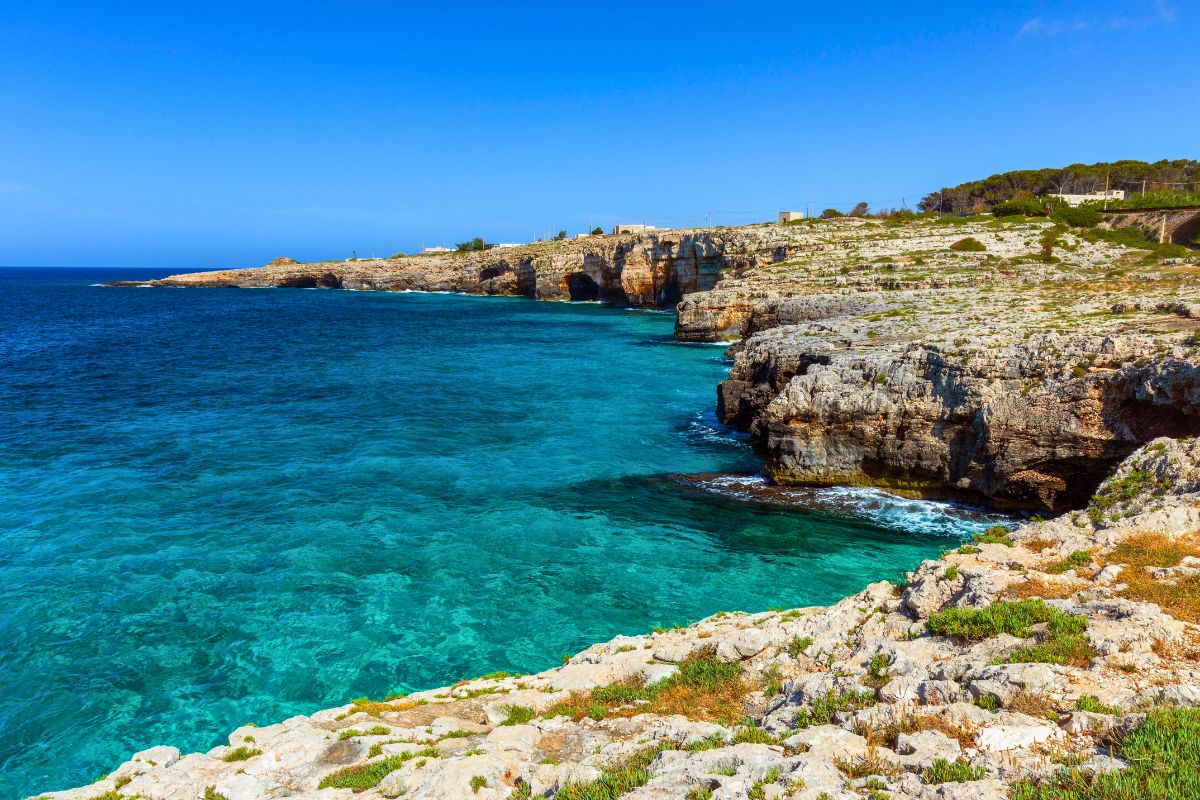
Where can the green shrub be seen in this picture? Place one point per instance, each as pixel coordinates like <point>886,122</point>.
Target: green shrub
<point>988,702</point>
<point>1023,206</point>
<point>617,779</point>
<point>1063,642</point>
<point>477,783</point>
<point>1081,217</point>
<point>830,213</point>
<point>754,735</point>
<point>968,245</point>
<point>798,645</point>
<point>474,245</point>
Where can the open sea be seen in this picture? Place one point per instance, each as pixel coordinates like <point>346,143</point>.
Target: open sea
<point>221,506</point>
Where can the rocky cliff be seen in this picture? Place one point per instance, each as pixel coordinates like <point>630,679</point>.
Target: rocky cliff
<point>1059,659</point>
<point>1015,372</point>
<point>654,269</point>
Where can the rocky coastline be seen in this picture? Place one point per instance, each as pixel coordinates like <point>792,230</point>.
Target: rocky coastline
<point>1030,659</point>
<point>1037,368</point>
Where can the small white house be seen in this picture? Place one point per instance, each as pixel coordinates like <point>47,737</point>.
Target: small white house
<point>503,245</point>
<point>619,229</point>
<point>1094,197</point>
<point>790,216</point>
<point>436,250</point>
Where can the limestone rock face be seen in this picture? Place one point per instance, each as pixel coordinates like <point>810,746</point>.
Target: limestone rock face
<point>1008,425</point>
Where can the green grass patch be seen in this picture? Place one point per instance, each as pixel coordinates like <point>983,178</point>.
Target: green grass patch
<point>350,733</point>
<point>367,776</point>
<point>1089,703</point>
<point>241,753</point>
<point>702,687</point>
<point>616,780</point>
<point>1080,558</point>
<point>1164,764</point>
<point>997,534</point>
<point>1064,641</point>
<point>822,709</point>
<point>977,624</point>
<point>518,715</point>
<point>943,771</point>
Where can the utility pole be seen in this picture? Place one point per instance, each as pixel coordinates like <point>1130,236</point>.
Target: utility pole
<point>708,220</point>
<point>1106,176</point>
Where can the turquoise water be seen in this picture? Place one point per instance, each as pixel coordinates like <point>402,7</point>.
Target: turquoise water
<point>222,506</point>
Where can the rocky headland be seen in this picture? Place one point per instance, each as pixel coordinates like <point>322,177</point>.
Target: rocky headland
<point>1016,362</point>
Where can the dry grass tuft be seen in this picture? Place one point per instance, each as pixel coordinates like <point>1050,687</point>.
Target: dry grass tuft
<point>1033,705</point>
<point>888,734</point>
<point>1040,587</point>
<point>1153,550</point>
<point>703,689</point>
<point>1178,596</point>
<point>1037,545</point>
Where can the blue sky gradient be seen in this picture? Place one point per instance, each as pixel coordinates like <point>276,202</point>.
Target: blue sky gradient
<point>226,134</point>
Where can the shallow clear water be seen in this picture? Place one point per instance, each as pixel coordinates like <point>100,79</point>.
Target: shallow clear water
<point>222,506</point>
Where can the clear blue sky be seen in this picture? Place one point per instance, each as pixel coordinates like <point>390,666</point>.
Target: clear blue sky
<point>225,134</point>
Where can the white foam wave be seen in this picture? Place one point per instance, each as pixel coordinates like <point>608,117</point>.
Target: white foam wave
<point>887,510</point>
<point>706,427</point>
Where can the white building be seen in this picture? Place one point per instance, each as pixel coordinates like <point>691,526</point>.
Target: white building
<point>436,250</point>
<point>790,216</point>
<point>1094,197</point>
<point>633,229</point>
<point>504,245</point>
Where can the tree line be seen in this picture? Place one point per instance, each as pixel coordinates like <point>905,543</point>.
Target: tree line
<point>1181,176</point>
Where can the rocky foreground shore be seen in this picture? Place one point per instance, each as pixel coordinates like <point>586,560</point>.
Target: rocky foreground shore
<point>1058,657</point>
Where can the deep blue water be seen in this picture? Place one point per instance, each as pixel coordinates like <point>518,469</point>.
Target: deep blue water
<point>221,506</point>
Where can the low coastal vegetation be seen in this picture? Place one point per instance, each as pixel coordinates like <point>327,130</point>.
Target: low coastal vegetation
<point>702,688</point>
<point>361,777</point>
<point>1163,758</point>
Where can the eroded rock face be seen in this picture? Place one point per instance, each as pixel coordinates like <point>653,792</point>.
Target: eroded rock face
<point>653,270</point>
<point>1015,425</point>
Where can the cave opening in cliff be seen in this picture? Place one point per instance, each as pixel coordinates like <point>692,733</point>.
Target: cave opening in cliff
<point>1188,234</point>
<point>325,281</point>
<point>582,287</point>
